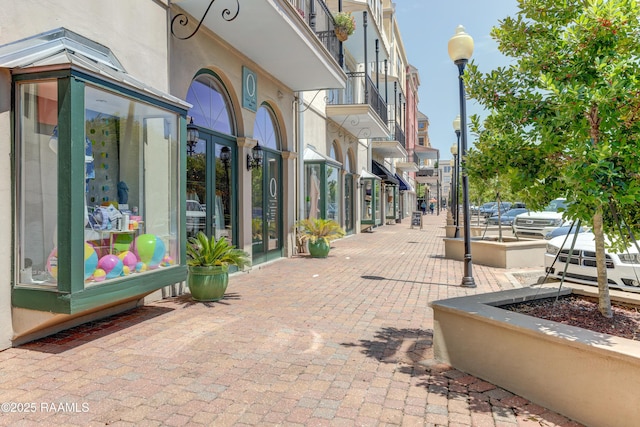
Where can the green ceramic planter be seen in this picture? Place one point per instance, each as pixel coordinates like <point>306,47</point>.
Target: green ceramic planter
<point>208,283</point>
<point>319,249</point>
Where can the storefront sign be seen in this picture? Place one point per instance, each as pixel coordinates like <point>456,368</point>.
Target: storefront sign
<point>249,89</point>
<point>416,219</point>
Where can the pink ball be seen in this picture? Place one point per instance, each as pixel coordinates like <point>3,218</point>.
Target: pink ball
<point>112,265</point>
<point>129,259</point>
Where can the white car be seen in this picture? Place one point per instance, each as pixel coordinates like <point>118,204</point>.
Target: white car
<point>538,224</point>
<point>623,269</point>
<point>196,217</point>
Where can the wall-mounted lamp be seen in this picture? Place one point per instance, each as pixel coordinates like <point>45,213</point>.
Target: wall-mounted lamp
<point>192,136</point>
<point>225,156</point>
<point>255,161</point>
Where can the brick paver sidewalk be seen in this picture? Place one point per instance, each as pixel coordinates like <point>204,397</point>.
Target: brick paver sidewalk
<point>342,341</point>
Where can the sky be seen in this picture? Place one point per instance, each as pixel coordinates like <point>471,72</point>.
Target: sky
<point>426,27</point>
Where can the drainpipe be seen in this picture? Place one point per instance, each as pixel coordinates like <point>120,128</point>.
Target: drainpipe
<point>366,59</point>
<point>340,48</point>
<point>300,136</point>
<point>377,70</point>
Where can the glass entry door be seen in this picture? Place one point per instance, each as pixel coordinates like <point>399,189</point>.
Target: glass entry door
<point>266,217</point>
<point>348,203</point>
<point>210,190</point>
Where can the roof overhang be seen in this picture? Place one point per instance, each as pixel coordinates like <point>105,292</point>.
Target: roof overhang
<point>388,149</point>
<point>360,120</point>
<point>273,35</point>
<point>426,152</point>
<point>407,166</point>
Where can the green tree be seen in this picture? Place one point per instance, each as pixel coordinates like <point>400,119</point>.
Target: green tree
<point>564,117</point>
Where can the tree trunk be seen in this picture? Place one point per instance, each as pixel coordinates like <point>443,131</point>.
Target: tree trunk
<point>604,301</point>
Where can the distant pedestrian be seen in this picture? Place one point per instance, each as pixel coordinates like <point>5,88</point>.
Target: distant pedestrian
<point>423,206</point>
<point>432,206</point>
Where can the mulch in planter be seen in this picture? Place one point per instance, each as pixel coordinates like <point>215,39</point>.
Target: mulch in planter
<point>582,311</point>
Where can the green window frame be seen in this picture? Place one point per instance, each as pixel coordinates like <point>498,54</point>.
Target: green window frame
<point>71,294</point>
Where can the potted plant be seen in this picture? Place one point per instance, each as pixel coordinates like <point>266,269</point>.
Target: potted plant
<point>208,262</point>
<point>319,232</point>
<point>344,25</point>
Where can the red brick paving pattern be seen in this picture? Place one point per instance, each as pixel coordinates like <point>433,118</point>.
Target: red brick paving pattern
<point>343,341</point>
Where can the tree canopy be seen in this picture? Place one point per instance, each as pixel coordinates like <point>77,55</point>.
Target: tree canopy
<point>564,117</point>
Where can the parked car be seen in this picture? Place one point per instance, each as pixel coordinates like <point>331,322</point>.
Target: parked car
<point>486,207</point>
<point>196,217</point>
<point>505,218</point>
<point>564,230</point>
<point>623,269</point>
<point>538,224</point>
<point>502,207</point>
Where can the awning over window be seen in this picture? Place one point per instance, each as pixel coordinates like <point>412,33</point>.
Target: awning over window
<point>384,173</point>
<point>64,47</point>
<point>404,186</point>
<point>311,155</point>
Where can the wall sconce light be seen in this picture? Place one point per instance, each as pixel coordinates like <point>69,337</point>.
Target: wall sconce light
<point>225,156</point>
<point>255,161</point>
<point>192,132</point>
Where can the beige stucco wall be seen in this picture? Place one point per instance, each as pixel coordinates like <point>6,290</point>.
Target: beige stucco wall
<point>5,209</point>
<point>134,31</point>
<point>138,39</point>
<point>207,51</point>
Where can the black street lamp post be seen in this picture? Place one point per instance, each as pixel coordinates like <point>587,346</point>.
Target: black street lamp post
<point>455,209</point>
<point>460,50</point>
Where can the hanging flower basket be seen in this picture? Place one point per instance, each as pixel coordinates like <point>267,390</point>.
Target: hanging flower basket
<point>344,25</point>
<point>341,33</point>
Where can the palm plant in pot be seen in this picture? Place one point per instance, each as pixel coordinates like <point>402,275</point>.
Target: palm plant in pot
<point>319,232</point>
<point>208,262</point>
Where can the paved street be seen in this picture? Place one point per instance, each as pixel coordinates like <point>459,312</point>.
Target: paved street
<point>342,341</point>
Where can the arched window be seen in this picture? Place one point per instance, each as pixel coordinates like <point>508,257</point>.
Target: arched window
<point>210,104</point>
<point>265,129</point>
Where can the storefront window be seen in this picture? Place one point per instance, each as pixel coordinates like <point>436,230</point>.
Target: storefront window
<point>131,186</point>
<point>129,179</point>
<point>38,196</point>
<point>371,205</point>
<point>333,192</point>
<point>312,181</point>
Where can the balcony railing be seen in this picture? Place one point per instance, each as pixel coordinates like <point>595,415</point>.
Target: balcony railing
<point>397,134</point>
<point>360,90</point>
<point>318,16</point>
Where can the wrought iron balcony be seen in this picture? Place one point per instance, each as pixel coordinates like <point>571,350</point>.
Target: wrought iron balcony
<point>360,90</point>
<point>317,15</point>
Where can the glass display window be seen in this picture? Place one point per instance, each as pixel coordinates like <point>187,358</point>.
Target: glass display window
<point>371,204</point>
<point>98,192</point>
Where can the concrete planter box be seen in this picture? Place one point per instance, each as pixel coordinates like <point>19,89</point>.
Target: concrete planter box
<point>590,377</point>
<point>510,253</point>
<point>450,231</point>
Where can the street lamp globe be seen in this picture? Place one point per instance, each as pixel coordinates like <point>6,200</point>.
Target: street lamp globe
<point>454,149</point>
<point>456,124</point>
<point>460,45</point>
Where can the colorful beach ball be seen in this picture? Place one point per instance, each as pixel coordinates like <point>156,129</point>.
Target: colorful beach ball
<point>129,259</point>
<point>149,249</point>
<point>52,263</point>
<point>90,260</point>
<point>112,265</point>
<point>99,275</point>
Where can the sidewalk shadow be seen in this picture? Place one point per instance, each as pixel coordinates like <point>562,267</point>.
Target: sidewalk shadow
<point>94,330</point>
<point>186,300</point>
<point>412,351</point>
<point>406,281</point>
